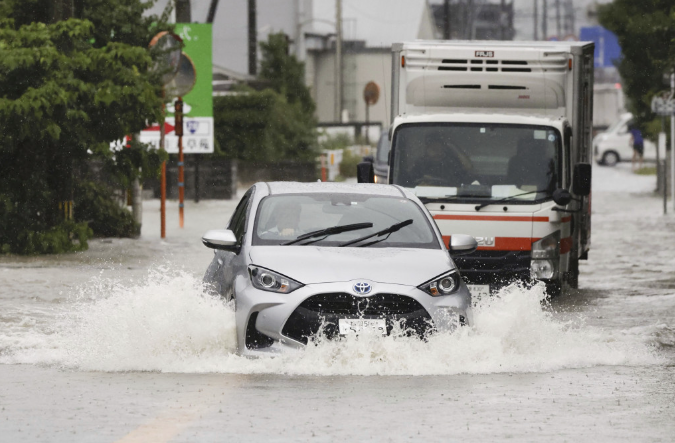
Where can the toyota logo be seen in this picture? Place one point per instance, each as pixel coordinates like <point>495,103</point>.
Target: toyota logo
<point>362,288</point>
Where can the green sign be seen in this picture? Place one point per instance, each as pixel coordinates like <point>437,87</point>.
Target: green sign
<point>198,103</point>
<point>198,41</point>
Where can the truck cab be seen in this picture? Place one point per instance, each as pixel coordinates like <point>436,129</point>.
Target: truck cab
<point>495,139</point>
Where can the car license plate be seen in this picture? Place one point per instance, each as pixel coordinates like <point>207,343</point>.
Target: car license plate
<point>479,290</point>
<point>357,325</point>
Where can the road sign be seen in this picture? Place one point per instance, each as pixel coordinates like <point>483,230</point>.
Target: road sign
<point>198,103</point>
<point>663,106</point>
<point>371,93</point>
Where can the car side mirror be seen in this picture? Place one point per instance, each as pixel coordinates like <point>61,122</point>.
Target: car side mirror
<point>220,239</point>
<point>562,197</point>
<point>369,159</point>
<point>581,183</point>
<point>461,244</point>
<point>365,173</point>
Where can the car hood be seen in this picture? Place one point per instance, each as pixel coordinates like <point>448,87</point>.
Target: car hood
<point>315,264</point>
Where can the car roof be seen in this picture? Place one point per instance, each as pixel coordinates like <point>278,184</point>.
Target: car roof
<point>332,187</point>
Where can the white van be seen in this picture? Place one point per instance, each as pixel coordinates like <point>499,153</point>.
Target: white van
<point>614,145</point>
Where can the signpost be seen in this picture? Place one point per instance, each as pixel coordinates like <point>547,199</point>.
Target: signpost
<point>167,63</point>
<point>192,110</point>
<point>198,102</point>
<point>665,106</point>
<point>371,94</point>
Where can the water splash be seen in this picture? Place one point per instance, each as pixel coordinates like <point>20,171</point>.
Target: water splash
<point>169,323</point>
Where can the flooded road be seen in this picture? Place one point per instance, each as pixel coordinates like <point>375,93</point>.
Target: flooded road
<point>119,343</point>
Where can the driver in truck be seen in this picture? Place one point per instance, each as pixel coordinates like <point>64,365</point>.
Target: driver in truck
<point>444,164</point>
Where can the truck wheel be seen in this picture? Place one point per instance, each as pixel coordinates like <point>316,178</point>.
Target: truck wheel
<point>553,288</point>
<point>610,158</point>
<point>573,274</point>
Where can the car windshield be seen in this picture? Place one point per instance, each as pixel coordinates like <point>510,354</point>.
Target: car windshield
<point>282,218</point>
<point>479,162</point>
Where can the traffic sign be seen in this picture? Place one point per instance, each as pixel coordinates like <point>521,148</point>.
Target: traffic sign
<point>663,105</point>
<point>371,93</point>
<point>198,103</point>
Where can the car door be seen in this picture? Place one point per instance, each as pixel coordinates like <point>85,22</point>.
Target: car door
<point>221,272</point>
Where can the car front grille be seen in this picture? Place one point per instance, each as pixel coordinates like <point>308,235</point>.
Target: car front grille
<point>325,310</point>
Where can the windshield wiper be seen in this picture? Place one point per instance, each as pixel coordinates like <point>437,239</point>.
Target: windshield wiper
<point>329,231</point>
<point>482,205</point>
<point>391,229</point>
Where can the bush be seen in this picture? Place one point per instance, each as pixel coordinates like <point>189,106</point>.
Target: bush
<point>105,217</point>
<point>64,237</point>
<point>348,164</point>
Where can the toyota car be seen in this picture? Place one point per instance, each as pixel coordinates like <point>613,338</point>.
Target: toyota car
<point>302,260</point>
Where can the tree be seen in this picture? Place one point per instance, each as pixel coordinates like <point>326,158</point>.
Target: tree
<point>646,33</point>
<point>285,74</point>
<point>277,123</point>
<point>67,89</point>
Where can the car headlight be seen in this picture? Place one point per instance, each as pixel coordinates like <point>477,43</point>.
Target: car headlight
<point>444,284</point>
<point>271,281</point>
<point>545,257</point>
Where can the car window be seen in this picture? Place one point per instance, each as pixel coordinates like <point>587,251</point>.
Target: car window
<point>282,218</point>
<point>237,223</point>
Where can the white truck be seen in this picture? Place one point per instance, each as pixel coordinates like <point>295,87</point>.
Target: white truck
<point>495,139</point>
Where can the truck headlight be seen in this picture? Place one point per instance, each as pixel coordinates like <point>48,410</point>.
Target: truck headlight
<point>444,284</point>
<point>545,257</point>
<point>271,281</point>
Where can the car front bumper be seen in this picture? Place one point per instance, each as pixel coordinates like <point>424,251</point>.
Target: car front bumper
<point>284,320</point>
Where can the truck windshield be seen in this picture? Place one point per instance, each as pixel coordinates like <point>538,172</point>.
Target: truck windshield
<point>482,162</point>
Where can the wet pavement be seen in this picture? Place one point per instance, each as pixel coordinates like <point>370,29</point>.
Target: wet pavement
<point>119,343</point>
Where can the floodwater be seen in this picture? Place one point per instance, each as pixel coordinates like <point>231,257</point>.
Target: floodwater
<point>120,343</point>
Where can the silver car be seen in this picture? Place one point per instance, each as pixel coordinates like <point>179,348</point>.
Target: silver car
<point>301,259</point>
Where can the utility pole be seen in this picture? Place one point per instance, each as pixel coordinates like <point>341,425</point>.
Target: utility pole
<point>544,20</point>
<point>300,52</point>
<point>338,61</point>
<point>446,15</point>
<point>672,142</point>
<point>212,11</point>
<point>252,39</point>
<point>502,19</point>
<point>536,20</point>
<point>557,19</point>
<point>183,11</point>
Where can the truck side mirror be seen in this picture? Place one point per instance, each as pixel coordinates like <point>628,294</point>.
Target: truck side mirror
<point>562,197</point>
<point>581,183</point>
<point>365,172</point>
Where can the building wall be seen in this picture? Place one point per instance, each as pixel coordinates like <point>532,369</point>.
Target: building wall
<point>374,64</point>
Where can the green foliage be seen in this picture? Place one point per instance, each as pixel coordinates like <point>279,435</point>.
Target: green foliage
<point>277,123</point>
<point>67,89</point>
<point>103,215</point>
<point>285,73</point>
<point>337,141</point>
<point>64,237</point>
<point>646,33</point>
<point>348,163</point>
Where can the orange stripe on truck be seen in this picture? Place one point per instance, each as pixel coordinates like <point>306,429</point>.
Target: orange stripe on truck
<point>515,244</point>
<point>503,244</point>
<point>488,218</point>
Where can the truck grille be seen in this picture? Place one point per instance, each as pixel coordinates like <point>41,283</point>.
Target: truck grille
<point>497,268</point>
<point>326,309</point>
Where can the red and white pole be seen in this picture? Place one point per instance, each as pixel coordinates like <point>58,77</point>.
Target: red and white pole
<point>181,179</point>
